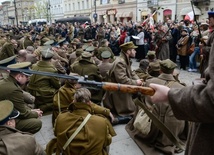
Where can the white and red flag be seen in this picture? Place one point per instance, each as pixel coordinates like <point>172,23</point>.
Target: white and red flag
<point>189,16</point>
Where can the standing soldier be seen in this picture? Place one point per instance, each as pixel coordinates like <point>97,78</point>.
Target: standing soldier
<point>162,38</point>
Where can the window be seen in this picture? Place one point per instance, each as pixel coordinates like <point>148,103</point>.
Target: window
<point>73,6</point>
<point>87,4</point>
<point>69,9</point>
<point>104,1</point>
<point>83,5</point>
<point>65,7</point>
<point>78,5</point>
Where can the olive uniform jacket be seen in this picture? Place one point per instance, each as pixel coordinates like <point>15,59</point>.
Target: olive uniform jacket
<point>7,50</point>
<point>119,103</point>
<point>43,86</point>
<point>91,140</point>
<point>27,120</point>
<point>156,140</point>
<point>15,142</point>
<point>87,67</point>
<point>10,90</point>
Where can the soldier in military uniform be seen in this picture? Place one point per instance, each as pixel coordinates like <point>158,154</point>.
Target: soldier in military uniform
<point>13,141</point>
<point>154,64</point>
<point>142,71</point>
<point>86,67</point>
<point>44,87</point>
<point>105,65</point>
<point>10,90</point>
<point>93,139</point>
<point>65,96</point>
<point>121,104</point>
<point>156,140</point>
<point>104,47</point>
<point>8,49</point>
<point>5,62</point>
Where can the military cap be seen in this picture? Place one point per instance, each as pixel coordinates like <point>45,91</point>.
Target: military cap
<point>49,42</point>
<point>30,48</point>
<point>103,41</point>
<point>86,55</point>
<point>7,111</point>
<point>85,46</point>
<point>106,54</point>
<point>90,49</point>
<point>154,67</point>
<point>151,53</point>
<point>44,40</point>
<point>47,54</point>
<point>211,14</point>
<point>8,61</point>
<point>79,52</point>
<point>127,46</point>
<point>144,63</point>
<point>167,66</point>
<point>26,35</point>
<point>84,40</point>
<point>21,65</point>
<point>61,41</point>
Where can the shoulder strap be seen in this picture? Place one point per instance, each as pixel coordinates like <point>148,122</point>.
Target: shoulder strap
<point>164,129</point>
<point>59,102</point>
<point>77,131</point>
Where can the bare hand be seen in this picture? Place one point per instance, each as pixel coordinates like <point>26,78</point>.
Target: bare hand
<point>161,93</point>
<point>112,117</point>
<point>39,112</point>
<point>139,82</point>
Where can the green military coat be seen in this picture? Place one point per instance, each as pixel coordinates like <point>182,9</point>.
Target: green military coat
<point>43,87</point>
<point>10,90</point>
<point>14,142</point>
<point>156,140</point>
<point>7,50</point>
<point>91,139</point>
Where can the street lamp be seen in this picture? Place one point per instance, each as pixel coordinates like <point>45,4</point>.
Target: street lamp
<point>95,11</point>
<point>16,13</point>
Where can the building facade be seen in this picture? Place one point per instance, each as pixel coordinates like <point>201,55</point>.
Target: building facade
<point>103,11</point>
<point>73,8</point>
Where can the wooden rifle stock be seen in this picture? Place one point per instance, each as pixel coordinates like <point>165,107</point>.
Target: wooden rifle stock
<point>128,88</point>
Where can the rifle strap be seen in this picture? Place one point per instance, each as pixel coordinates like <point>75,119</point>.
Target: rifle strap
<point>77,131</point>
<point>164,129</point>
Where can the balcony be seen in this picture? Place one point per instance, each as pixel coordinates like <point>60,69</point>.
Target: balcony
<point>152,3</point>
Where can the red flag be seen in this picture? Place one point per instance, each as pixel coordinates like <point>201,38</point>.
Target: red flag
<point>189,16</point>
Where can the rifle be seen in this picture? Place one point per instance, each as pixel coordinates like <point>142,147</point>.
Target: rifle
<point>159,42</point>
<point>91,84</point>
<point>193,10</point>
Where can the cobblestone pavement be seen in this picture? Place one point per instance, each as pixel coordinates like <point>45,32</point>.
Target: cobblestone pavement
<point>122,144</point>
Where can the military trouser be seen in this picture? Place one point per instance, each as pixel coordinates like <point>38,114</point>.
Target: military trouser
<point>31,125</point>
<point>44,103</point>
